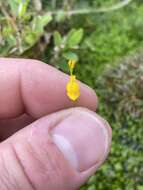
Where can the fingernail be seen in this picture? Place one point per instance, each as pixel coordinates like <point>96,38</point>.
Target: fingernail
<point>83,138</point>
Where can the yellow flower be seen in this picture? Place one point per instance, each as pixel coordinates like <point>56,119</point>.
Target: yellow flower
<point>71,64</point>
<point>73,91</point>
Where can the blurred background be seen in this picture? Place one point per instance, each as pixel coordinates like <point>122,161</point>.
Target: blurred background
<point>106,37</point>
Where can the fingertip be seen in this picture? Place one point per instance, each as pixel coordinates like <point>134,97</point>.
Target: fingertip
<point>90,95</point>
<point>50,92</point>
<point>38,89</point>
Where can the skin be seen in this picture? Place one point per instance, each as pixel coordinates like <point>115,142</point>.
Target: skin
<point>33,94</point>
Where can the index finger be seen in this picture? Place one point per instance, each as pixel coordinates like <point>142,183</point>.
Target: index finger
<point>30,86</point>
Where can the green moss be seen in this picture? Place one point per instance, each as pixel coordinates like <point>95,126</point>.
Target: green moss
<point>120,92</point>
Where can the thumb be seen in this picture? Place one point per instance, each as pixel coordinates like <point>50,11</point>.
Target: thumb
<point>57,152</point>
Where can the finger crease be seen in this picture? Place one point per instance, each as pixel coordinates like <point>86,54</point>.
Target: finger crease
<point>22,167</point>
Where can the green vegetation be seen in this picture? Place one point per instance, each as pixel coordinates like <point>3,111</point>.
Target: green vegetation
<point>100,41</point>
<point>120,90</point>
<point>94,39</point>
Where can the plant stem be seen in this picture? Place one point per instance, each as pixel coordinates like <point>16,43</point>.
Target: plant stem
<point>89,11</point>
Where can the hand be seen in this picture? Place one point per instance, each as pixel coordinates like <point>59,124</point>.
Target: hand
<point>46,144</point>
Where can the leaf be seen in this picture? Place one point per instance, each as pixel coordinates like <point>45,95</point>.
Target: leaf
<point>23,8</point>
<point>64,67</point>
<point>40,22</point>
<point>74,37</point>
<point>118,167</point>
<point>70,56</point>
<point>30,38</point>
<point>45,19</point>
<point>6,31</point>
<point>140,187</point>
<point>57,38</point>
<point>60,16</point>
<point>14,6</point>
<point>19,7</point>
